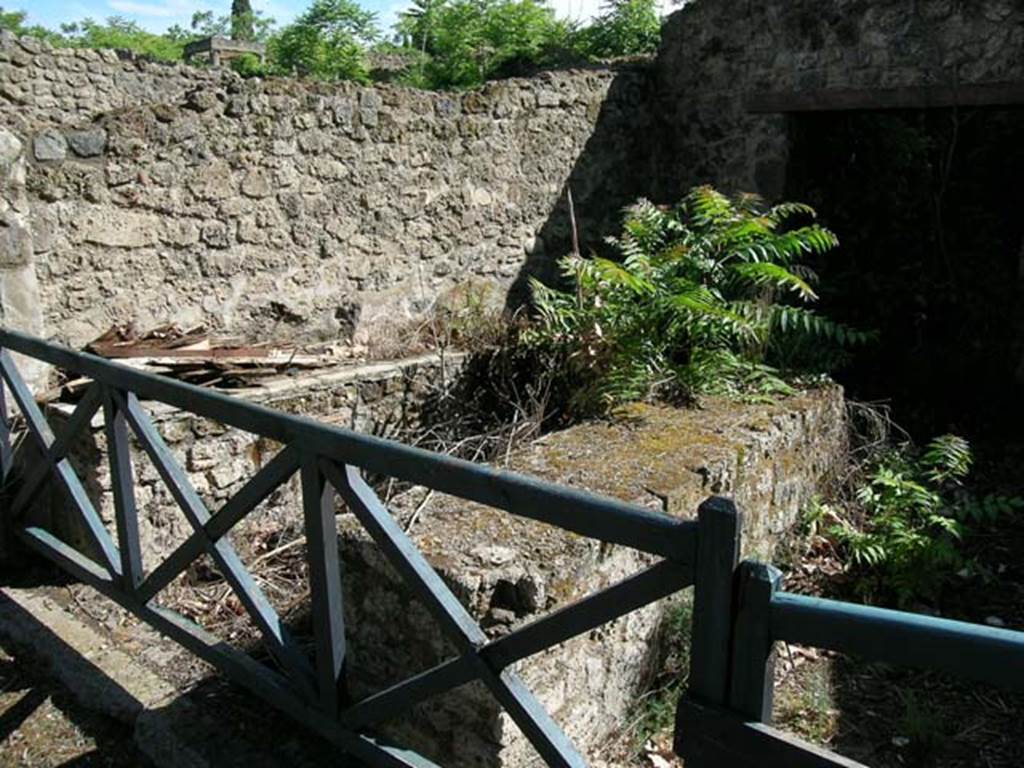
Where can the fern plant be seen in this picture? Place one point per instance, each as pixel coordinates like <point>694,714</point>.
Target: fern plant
<point>914,512</point>
<point>708,296</point>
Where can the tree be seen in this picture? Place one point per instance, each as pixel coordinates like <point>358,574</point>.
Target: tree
<point>626,28</point>
<point>470,41</point>
<point>416,25</point>
<point>242,18</point>
<point>709,296</point>
<point>121,33</point>
<point>328,41</point>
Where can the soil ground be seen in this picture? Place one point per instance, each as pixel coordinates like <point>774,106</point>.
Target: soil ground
<point>42,726</point>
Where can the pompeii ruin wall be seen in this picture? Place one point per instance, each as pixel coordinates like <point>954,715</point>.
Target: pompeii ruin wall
<point>154,193</point>
<point>717,54</point>
<point>305,211</point>
<point>160,193</point>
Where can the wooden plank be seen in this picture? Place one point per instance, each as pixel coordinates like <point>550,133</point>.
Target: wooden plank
<point>869,99</point>
<point>325,584</point>
<point>80,418</point>
<point>277,471</point>
<point>240,668</point>
<point>549,741</point>
<point>40,428</point>
<point>126,516</point>
<point>720,739</point>
<point>403,696</point>
<point>586,514</point>
<point>275,635</point>
<point>6,449</point>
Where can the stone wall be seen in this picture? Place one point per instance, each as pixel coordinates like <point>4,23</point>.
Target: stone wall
<point>20,305</point>
<point>717,53</point>
<point>44,86</point>
<point>312,211</point>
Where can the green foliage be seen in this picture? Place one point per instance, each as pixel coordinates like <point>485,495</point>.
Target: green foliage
<point>328,41</point>
<point>470,41</point>
<point>242,18</point>
<point>122,34</point>
<point>247,25</point>
<point>912,515</point>
<point>626,28</point>
<point>695,303</point>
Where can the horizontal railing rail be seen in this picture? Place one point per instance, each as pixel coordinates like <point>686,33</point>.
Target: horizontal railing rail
<point>739,610</point>
<point>329,460</point>
<point>736,732</point>
<point>970,651</point>
<point>577,511</point>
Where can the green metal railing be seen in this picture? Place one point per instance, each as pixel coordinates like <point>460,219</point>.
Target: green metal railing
<point>739,611</point>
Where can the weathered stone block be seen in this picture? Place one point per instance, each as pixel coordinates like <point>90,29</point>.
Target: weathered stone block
<point>120,229</point>
<point>89,143</point>
<point>49,146</point>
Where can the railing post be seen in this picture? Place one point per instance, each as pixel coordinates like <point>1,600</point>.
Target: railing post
<point>719,525</point>
<point>6,450</point>
<point>751,690</point>
<point>324,584</point>
<point>122,481</point>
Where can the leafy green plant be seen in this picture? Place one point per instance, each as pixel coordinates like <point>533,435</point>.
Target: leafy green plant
<point>466,42</point>
<point>626,28</point>
<point>328,41</point>
<point>913,512</point>
<point>708,296</point>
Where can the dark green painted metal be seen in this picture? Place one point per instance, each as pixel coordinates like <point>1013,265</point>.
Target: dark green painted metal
<point>399,698</point>
<point>718,550</point>
<point>277,471</point>
<point>646,587</point>
<point>737,614</point>
<point>321,447</point>
<point>275,635</point>
<point>971,651</point>
<point>70,484</point>
<point>250,674</point>
<point>719,525</point>
<point>752,678</point>
<point>586,514</point>
<point>87,407</point>
<point>324,584</point>
<point>531,717</point>
<point>723,739</point>
<point>122,480</point>
<point>6,449</point>
<point>452,617</point>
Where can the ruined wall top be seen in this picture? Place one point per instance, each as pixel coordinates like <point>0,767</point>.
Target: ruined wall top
<point>716,54</point>
<point>42,85</point>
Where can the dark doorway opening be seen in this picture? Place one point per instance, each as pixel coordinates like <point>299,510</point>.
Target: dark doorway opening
<point>929,208</point>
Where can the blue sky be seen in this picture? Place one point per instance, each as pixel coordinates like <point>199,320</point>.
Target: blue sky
<point>157,15</point>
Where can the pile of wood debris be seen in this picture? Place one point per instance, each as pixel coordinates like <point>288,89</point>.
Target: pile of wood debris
<point>198,357</point>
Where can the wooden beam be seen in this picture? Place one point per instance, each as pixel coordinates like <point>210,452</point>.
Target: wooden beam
<point>868,99</point>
